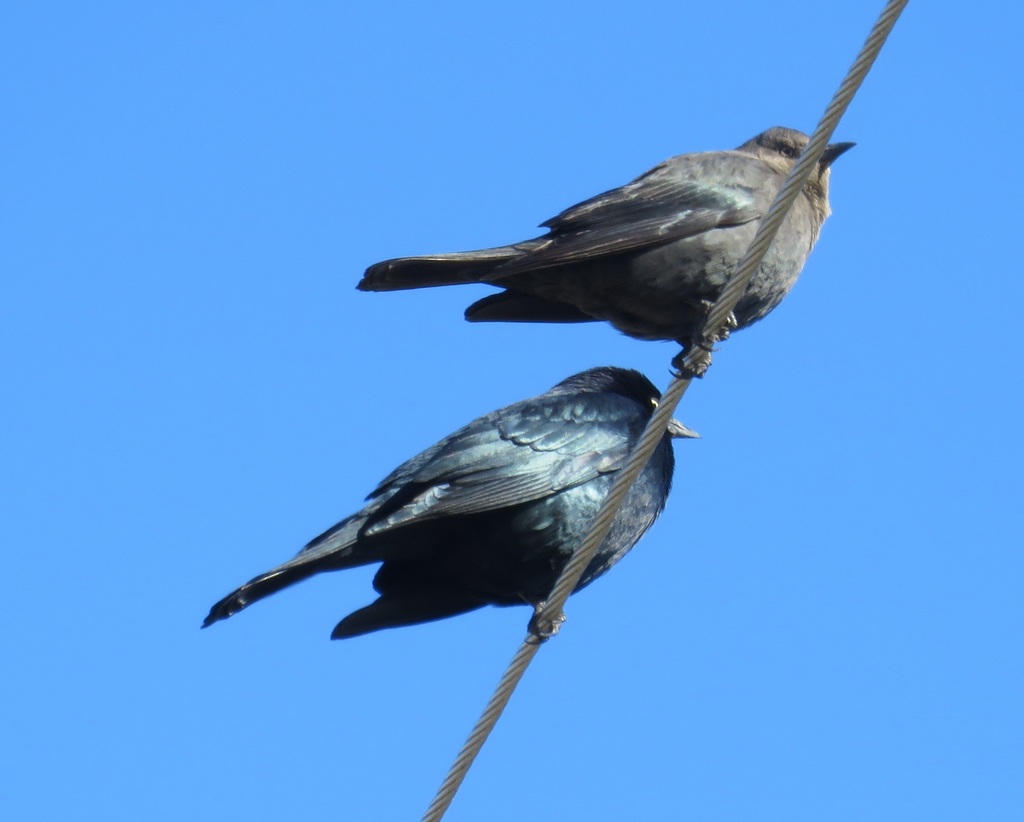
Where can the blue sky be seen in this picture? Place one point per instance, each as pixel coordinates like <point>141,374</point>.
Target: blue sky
<point>825,623</point>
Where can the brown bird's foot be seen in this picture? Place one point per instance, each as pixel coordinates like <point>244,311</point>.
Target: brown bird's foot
<point>731,324</point>
<point>701,360</point>
<point>705,346</point>
<point>543,628</point>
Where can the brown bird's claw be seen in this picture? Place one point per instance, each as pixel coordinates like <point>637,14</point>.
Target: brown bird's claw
<point>683,371</point>
<point>542,629</point>
<point>706,344</point>
<point>729,325</point>
<point>696,370</point>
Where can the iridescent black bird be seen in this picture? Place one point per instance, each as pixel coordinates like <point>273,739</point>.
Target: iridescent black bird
<point>491,514</point>
<point>649,257</point>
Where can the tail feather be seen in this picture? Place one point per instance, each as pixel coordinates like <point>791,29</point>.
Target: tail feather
<point>406,608</point>
<point>439,269</point>
<point>331,551</point>
<point>256,589</point>
<point>516,307</point>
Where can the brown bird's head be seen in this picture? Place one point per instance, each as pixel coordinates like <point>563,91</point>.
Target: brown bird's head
<point>780,147</point>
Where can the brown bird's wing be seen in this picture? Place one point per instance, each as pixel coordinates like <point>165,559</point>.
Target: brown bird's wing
<point>432,270</point>
<point>670,202</point>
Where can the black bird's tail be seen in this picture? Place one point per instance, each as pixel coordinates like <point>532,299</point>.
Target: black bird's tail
<point>439,269</point>
<point>331,551</point>
<point>256,589</point>
<point>407,608</point>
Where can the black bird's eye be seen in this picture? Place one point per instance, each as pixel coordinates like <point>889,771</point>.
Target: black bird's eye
<point>788,151</point>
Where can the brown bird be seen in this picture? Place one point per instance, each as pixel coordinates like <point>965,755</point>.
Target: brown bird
<point>649,257</point>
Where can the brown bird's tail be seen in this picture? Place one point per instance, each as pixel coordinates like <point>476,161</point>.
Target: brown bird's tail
<point>439,269</point>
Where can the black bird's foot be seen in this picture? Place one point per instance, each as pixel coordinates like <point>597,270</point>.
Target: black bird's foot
<point>543,628</point>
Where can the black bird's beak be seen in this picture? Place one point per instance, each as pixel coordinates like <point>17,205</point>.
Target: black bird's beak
<point>832,152</point>
<point>677,429</point>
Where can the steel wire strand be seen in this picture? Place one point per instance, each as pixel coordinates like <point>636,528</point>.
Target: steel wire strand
<point>695,362</point>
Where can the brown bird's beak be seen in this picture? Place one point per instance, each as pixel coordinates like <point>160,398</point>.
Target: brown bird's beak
<point>677,429</point>
<point>832,153</point>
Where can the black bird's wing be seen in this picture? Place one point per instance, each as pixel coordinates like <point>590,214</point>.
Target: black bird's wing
<point>672,201</point>
<point>521,453</point>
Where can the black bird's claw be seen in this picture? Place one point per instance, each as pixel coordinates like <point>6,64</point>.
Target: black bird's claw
<point>541,630</point>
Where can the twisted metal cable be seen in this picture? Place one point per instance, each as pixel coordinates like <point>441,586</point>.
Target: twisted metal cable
<point>695,361</point>
<point>801,171</point>
<point>516,668</point>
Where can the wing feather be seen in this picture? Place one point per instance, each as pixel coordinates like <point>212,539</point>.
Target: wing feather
<point>668,203</point>
<point>521,453</point>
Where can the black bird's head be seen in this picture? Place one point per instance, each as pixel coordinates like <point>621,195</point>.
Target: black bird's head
<point>627,383</point>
